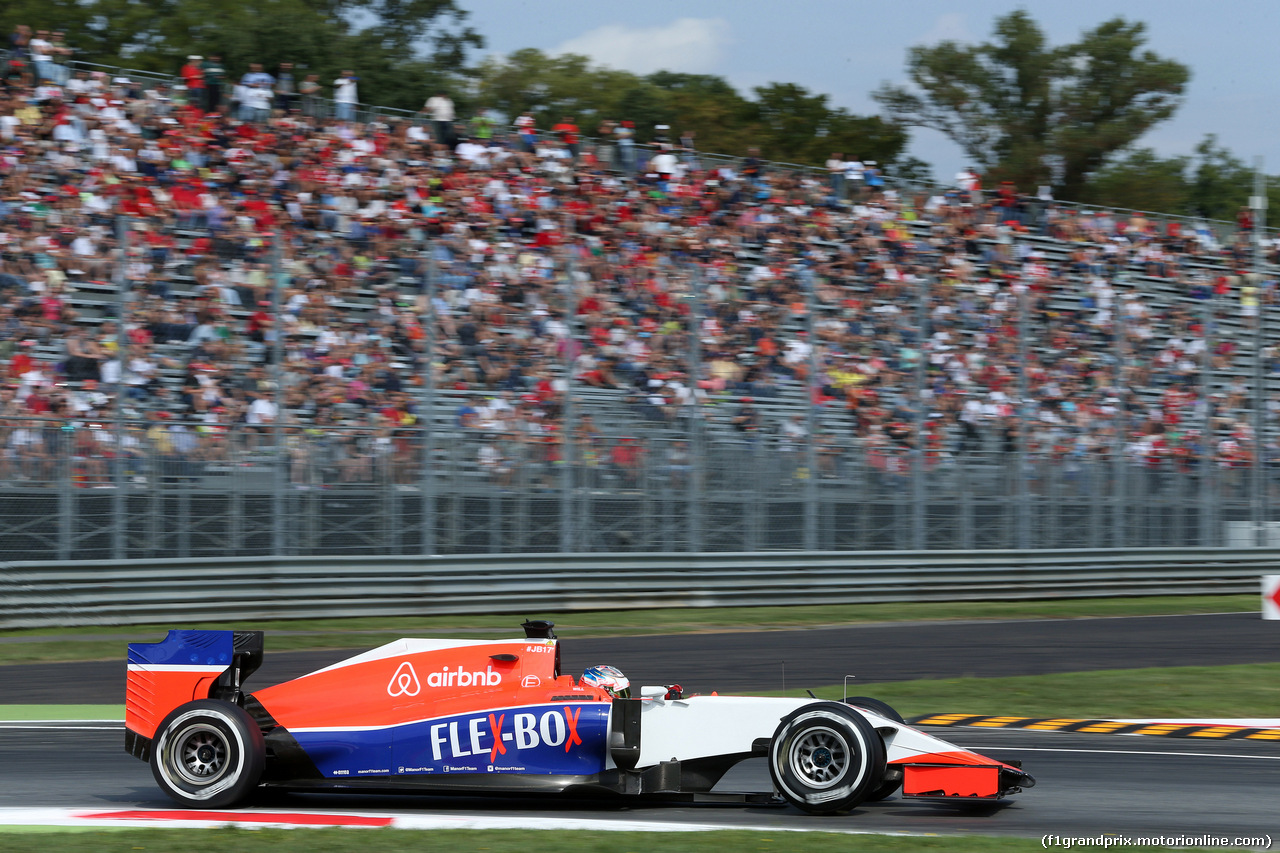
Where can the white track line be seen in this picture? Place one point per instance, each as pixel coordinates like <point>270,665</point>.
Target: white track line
<point>77,818</point>
<point>118,722</point>
<point>75,728</point>
<point>1252,723</point>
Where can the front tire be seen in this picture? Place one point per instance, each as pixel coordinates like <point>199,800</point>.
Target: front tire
<point>826,758</point>
<point>892,775</point>
<point>208,754</point>
<point>884,709</point>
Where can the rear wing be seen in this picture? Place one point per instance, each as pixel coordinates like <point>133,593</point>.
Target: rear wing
<point>184,666</point>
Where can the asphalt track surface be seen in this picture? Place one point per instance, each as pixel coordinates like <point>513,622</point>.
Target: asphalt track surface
<point>774,660</point>
<point>1088,784</point>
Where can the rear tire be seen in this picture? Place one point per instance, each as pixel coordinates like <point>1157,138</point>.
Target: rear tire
<point>826,758</point>
<point>892,775</point>
<point>208,754</point>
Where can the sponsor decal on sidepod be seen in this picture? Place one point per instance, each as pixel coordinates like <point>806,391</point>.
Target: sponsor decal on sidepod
<point>566,739</point>
<point>404,682</point>
<point>464,678</point>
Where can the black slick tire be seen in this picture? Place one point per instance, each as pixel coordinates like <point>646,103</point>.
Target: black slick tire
<point>825,758</point>
<point>884,709</point>
<point>893,775</point>
<point>208,754</point>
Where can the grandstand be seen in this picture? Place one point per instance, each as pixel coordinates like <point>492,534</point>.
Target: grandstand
<point>626,430</point>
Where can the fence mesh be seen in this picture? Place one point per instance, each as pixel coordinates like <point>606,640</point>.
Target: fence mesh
<point>713,439</point>
<point>177,492</point>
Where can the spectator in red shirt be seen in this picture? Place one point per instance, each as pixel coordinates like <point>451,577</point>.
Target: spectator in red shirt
<point>625,458</point>
<point>193,76</point>
<point>568,133</point>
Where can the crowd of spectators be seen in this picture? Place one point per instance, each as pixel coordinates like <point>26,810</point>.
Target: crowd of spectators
<point>561,263</point>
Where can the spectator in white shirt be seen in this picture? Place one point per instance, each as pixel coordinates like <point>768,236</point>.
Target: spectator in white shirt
<point>42,56</point>
<point>440,107</point>
<point>345,97</point>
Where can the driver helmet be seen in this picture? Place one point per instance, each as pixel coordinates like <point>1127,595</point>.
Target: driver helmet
<point>608,678</point>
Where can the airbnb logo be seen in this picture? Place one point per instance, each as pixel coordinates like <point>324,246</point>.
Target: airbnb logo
<point>404,682</point>
<point>462,678</point>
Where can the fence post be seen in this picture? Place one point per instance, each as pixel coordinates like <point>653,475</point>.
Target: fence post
<point>695,485</point>
<point>1023,509</point>
<point>966,501</point>
<point>429,411</point>
<point>120,523</point>
<point>918,492</point>
<point>568,532</point>
<point>1261,444</point>
<point>1208,470</point>
<point>811,418</point>
<point>279,480</point>
<point>63,481</point>
<point>1119,490</point>
<point>753,495</point>
<point>1259,490</point>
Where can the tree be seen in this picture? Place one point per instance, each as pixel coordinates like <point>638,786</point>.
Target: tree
<point>1220,182</point>
<point>409,45</point>
<point>402,24</point>
<point>1016,104</point>
<point>1141,180</point>
<point>1211,184</point>
<point>786,121</point>
<point>722,118</point>
<point>553,87</point>
<point>790,120</point>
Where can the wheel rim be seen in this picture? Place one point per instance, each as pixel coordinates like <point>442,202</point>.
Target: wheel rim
<point>820,756</point>
<point>198,754</point>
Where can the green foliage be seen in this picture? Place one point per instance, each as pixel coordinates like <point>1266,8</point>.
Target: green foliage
<point>791,118</point>
<point>88,643</point>
<point>342,840</point>
<point>1016,104</point>
<point>1141,180</point>
<point>316,35</point>
<point>785,121</point>
<point>1220,182</point>
<point>1226,692</point>
<point>910,169</point>
<point>1211,184</point>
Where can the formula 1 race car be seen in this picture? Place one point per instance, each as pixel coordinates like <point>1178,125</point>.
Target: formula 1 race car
<point>475,716</point>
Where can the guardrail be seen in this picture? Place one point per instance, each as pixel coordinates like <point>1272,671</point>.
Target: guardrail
<point>160,591</point>
<point>114,71</point>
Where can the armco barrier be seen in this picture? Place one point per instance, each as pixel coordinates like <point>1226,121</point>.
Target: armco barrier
<point>159,591</point>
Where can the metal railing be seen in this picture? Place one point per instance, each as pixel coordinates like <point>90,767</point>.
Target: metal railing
<point>160,591</point>
<point>601,464</point>
<point>627,468</point>
<point>178,491</point>
<point>149,79</point>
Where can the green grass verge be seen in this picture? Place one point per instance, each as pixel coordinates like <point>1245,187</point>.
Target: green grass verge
<point>1243,690</point>
<point>21,713</point>
<point>1225,692</point>
<point>233,840</point>
<point>104,642</point>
